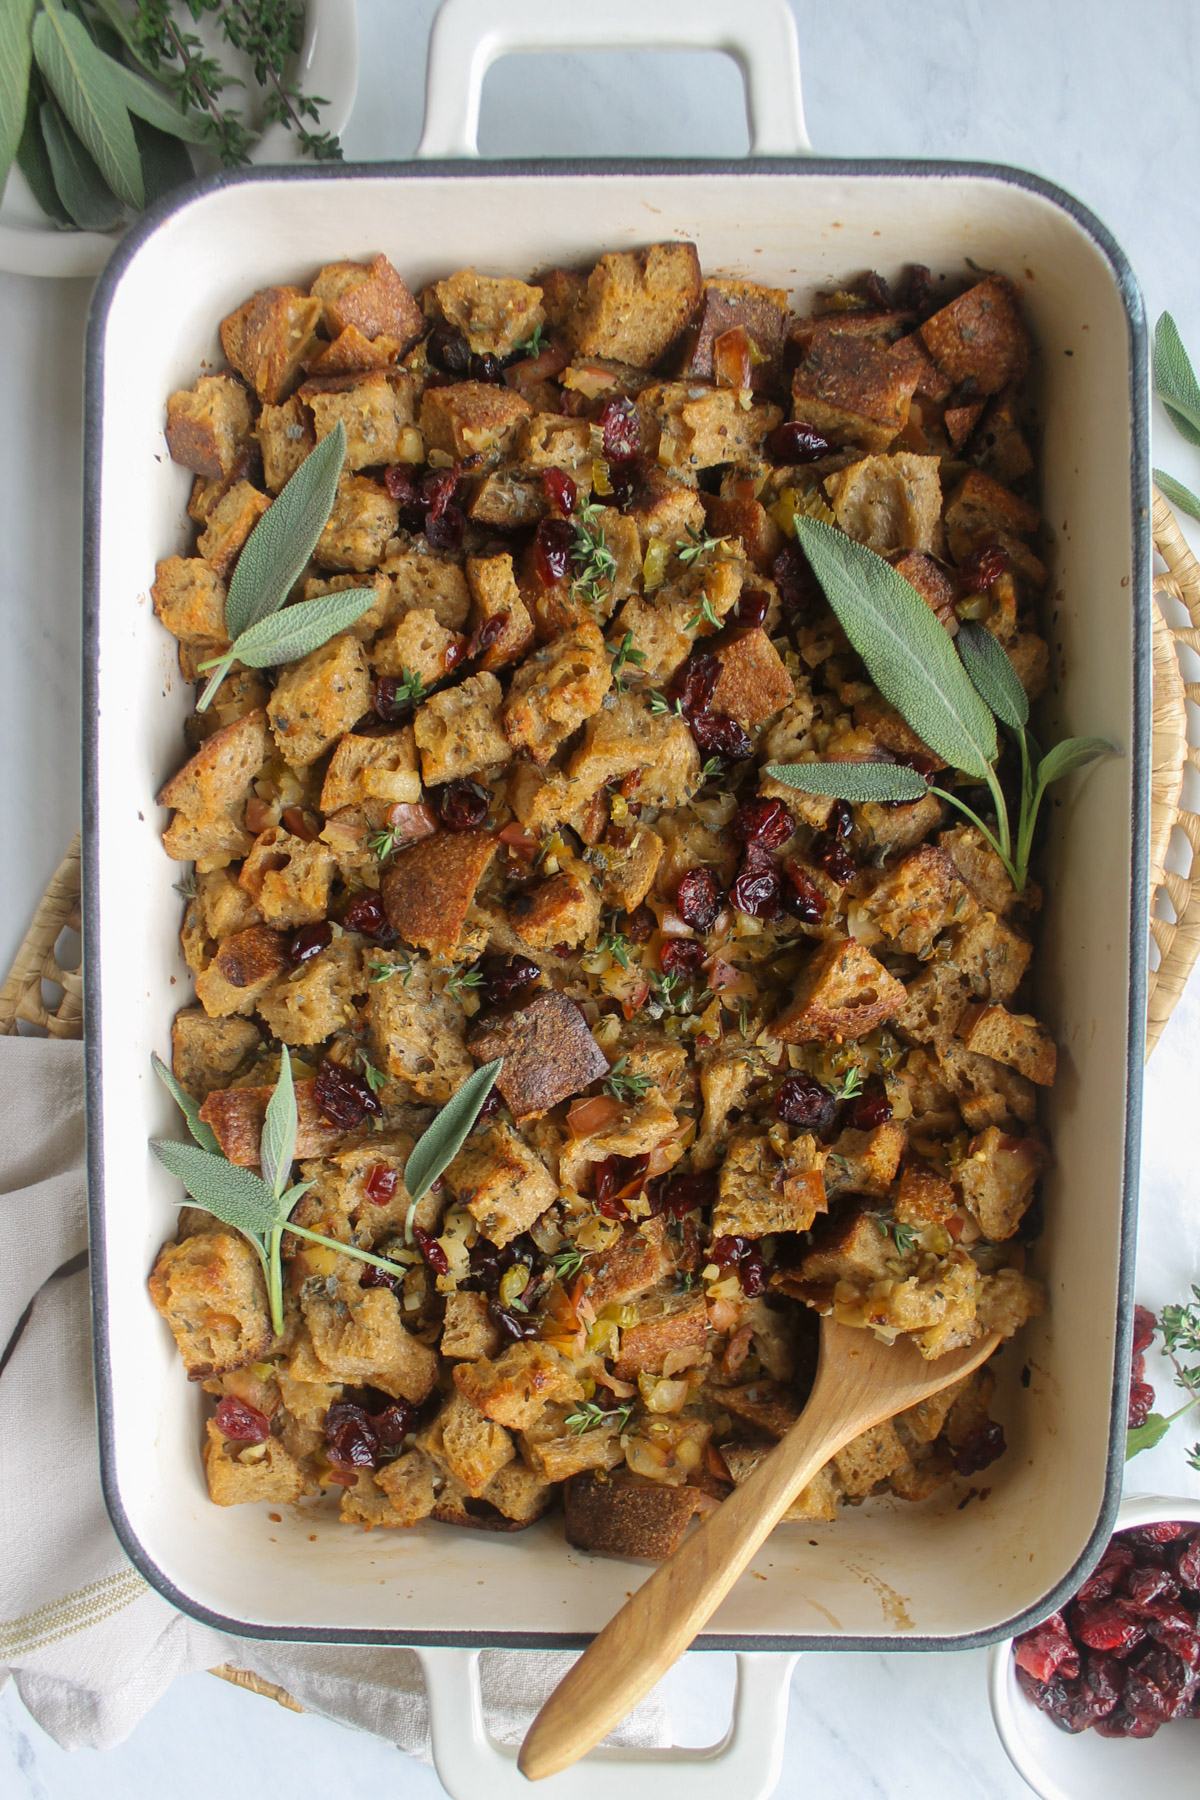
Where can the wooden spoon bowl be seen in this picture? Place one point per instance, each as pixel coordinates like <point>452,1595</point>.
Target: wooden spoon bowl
<point>860,1383</point>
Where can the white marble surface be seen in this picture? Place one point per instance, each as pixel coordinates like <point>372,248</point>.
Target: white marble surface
<point>1084,92</point>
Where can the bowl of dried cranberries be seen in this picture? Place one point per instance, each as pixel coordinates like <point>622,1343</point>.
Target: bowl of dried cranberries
<point>1108,1689</point>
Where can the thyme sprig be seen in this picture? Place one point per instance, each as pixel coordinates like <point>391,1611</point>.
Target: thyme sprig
<point>588,1416</point>
<point>623,1085</point>
<point>623,654</point>
<point>695,545</point>
<point>705,614</point>
<point>1179,1327</point>
<point>593,561</point>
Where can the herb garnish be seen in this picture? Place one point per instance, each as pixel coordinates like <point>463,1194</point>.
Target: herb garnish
<point>695,545</point>
<point>446,1136</point>
<point>705,614</point>
<point>534,344</point>
<point>1180,1328</point>
<point>374,1078</point>
<point>460,980</point>
<point>618,947</point>
<point>623,653</point>
<point>625,1086</point>
<point>594,563</point>
<point>590,1415</point>
<point>400,964</point>
<point>660,705</point>
<point>852,1083</point>
<point>566,1263</point>
<point>1176,385</point>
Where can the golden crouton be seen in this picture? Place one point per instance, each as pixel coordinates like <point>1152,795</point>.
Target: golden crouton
<point>288,878</point>
<point>767,1405</point>
<point>467,1445</point>
<point>468,1332</point>
<point>1013,1038</point>
<point>983,512</point>
<point>917,899</point>
<point>189,598</point>
<point>244,966</point>
<point>285,437</point>
<point>364,517</point>
<point>556,689</point>
<point>628,736</point>
<point>316,998</point>
<point>501,1182</point>
<point>416,1033</point>
<point>753,1200</point>
<point>666,508</point>
<point>516,1388</point>
<point>998,1179</point>
<point>229,524</point>
<point>688,428</point>
<point>639,1129</point>
<point>497,597</point>
<point>368,297</point>
<point>753,682</point>
<point>206,1052</point>
<point>819,1500</point>
<point>646,1345</point>
<point>210,1290</point>
<point>366,769</point>
<point>612,1518</point>
<point>551,440</point>
<point>1001,448</point>
<point>1007,1299</point>
<point>934,1002</point>
<point>560,909</point>
<point>236,1116</point>
<point>429,888</point>
<point>992,958</point>
<point>932,583</point>
<point>865,1162</point>
<point>458,732</point>
<point>507,498</point>
<point>637,1262</point>
<point>240,1474</point>
<point>727,305</point>
<point>562,292</point>
<point>748,521</point>
<point>636,303</point>
<point>208,424</point>
<point>980,340</point>
<point>318,699</point>
<point>415,645</point>
<point>351,353</point>
<point>549,1054</point>
<point>924,1197</point>
<point>869,1459</point>
<point>853,1246</point>
<point>366,1503</point>
<point>378,411</point>
<point>362,1339</point>
<point>843,993</point>
<point>556,1451</point>
<point>408,1484</point>
<point>891,827</point>
<point>269,337</point>
<point>890,502</point>
<point>494,313</point>
<point>1030,657</point>
<point>629,869</point>
<point>209,794</point>
<point>471,417</point>
<point>912,355</point>
<point>984,873</point>
<point>852,391</point>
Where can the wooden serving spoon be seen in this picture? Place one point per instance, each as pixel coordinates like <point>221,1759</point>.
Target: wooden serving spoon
<point>860,1383</point>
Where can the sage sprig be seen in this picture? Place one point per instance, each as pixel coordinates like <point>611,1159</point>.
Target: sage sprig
<point>440,1144</point>
<point>263,631</point>
<point>855,782</point>
<point>1176,385</point>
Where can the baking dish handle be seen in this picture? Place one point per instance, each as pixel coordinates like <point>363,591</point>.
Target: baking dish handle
<point>747,1761</point>
<point>468,36</point>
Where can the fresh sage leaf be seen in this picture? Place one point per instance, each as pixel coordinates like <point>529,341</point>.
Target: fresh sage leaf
<point>203,1133</point>
<point>1071,754</point>
<point>993,675</point>
<point>116,18</point>
<point>908,654</point>
<point>78,182</point>
<point>166,164</point>
<point>236,1196</point>
<point>1178,495</point>
<point>278,1145</point>
<point>152,105</point>
<point>1175,379</point>
<point>78,75</point>
<point>302,628</point>
<point>441,1143</point>
<point>33,160</point>
<point>284,538</point>
<point>856,782</point>
<point>16,55</point>
<point>1145,1436</point>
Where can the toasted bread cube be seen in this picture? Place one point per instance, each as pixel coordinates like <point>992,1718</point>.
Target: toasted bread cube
<point>458,732</point>
<point>865,1162</point>
<point>636,303</point>
<point>471,417</point>
<point>242,1474</point>
<point>550,440</point>
<point>549,1054</point>
<point>561,909</point>
<point>378,412</point>
<point>456,1507</point>
<point>229,524</point>
<point>468,1332</point>
<point>556,689</point>
<point>934,1002</point>
<point>318,699</point>
<point>614,1518</point>
<point>351,353</point>
<point>980,504</point>
<point>628,736</point>
<point>932,583</point>
<point>416,1033</point>
<point>629,869</point>
<point>556,1451</point>
<point>1030,657</point>
<point>637,1262</point>
<point>562,292</point>
<point>870,1458</point>
<point>983,872</point>
<point>689,429</point>
<point>980,340</point>
<point>424,581</point>
<point>767,1405</point>
<point>646,1345</point>
<point>960,421</point>
<point>516,1389</point>
<point>1013,1038</point>
<point>211,1292</point>
<point>317,998</point>
<point>502,1183</point>
<point>208,424</point>
<point>852,391</point>
<point>236,1116</point>
<point>924,1197</point>
<point>922,1423</point>
<point>363,519</point>
<point>640,1128</point>
<point>666,508</point>
<point>762,312</point>
<point>494,313</point>
<point>371,298</point>
<point>206,1052</point>
<point>408,1484</point>
<point>285,437</point>
<point>362,1340</point>
<point>890,502</point>
<point>467,1445</point>
<point>367,1505</point>
<point>920,897</point>
<point>429,889</point>
<point>852,1247</point>
<point>244,967</point>
<point>189,598</point>
<point>1001,449</point>
<point>209,795</point>
<point>269,337</point>
<point>658,632</point>
<point>497,596</point>
<point>752,1200</point>
<point>287,878</point>
<point>998,1179</point>
<point>507,499</point>
<point>819,1500</point>
<point>912,355</point>
<point>991,957</point>
<point>415,645</point>
<point>753,683</point>
<point>363,769</point>
<point>890,828</point>
<point>843,993</point>
<point>1007,1299</point>
<point>747,521</point>
<point>519,1493</point>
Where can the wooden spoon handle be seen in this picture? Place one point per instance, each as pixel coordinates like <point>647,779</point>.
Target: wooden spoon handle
<point>659,1621</point>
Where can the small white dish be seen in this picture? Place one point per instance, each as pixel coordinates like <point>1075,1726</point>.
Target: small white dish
<point>327,65</point>
<point>1060,1765</point>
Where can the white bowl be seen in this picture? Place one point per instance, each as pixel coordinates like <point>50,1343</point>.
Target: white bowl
<point>1061,1765</point>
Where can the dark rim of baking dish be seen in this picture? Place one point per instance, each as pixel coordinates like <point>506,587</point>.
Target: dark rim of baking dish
<point>600,168</point>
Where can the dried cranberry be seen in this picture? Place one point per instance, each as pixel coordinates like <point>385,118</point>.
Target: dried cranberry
<point>487,1265</point>
<point>613,1176</point>
<point>432,1251</point>
<point>1108,1573</point>
<point>553,542</point>
<point>1159,1686</point>
<point>795,442</point>
<point>372,1277</point>
<point>350,1438</point>
<point>504,976</point>
<point>1170,1623</point>
<point>1188,1566</point>
<point>1108,1625</point>
<point>698,899</point>
<point>802,897</point>
<point>438,489</point>
<point>463,805</point>
<point>878,292</point>
<point>752,608</point>
<point>758,888</point>
<point>621,429</point>
<point>681,956</point>
<point>802,1100</point>
<point>393,1424</point>
<point>979,1448</point>
<point>485,367</point>
<point>799,590</point>
<point>242,1423</point>
<point>561,491</point>
<point>639,925</point>
<point>448,349</point>
<point>403,483</point>
<point>1121,1723</point>
<point>834,858</point>
<point>1144,1326</point>
<point>694,684</point>
<point>1046,1649</point>
<point>342,1096</point>
<point>982,569</point>
<point>1150,1582</point>
<point>726,1251</point>
<point>915,293</point>
<point>1141,1403</point>
<point>366,915</point>
<point>1165,1532</point>
<point>869,1110</point>
<point>752,1273</point>
<point>309,941</point>
<point>455,652</point>
<point>515,1326</point>
<point>380,1183</point>
<point>625,479</point>
<point>447,530</point>
<point>683,1194</point>
<point>767,823</point>
<point>721,735</point>
<point>491,1105</point>
<point>840,822</point>
<point>385,702</point>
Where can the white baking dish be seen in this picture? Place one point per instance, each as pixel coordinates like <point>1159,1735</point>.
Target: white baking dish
<point>886,1574</point>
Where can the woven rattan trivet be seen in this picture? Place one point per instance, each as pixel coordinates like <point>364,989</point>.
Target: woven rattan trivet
<point>1174,899</point>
